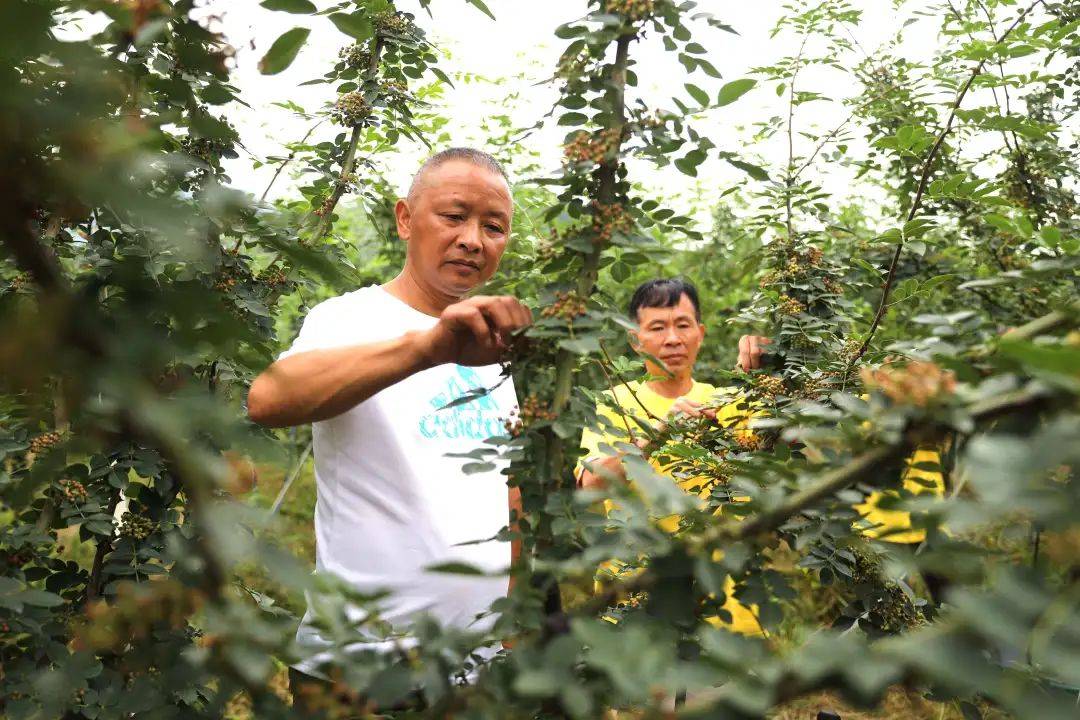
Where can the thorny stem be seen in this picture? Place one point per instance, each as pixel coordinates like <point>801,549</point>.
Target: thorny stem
<point>924,181</point>
<point>349,161</point>
<point>553,468</point>
<point>789,179</point>
<point>606,178</point>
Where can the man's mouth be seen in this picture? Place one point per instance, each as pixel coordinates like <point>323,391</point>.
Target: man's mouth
<point>464,263</point>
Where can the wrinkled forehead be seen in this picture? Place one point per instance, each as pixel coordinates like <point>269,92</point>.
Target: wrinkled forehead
<point>461,180</point>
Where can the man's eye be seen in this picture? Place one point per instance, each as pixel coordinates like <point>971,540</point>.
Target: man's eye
<point>495,229</point>
<point>453,216</point>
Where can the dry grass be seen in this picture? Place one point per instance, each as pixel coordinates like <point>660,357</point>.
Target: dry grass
<point>898,704</point>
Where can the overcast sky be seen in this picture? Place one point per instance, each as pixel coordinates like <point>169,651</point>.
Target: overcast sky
<point>521,43</point>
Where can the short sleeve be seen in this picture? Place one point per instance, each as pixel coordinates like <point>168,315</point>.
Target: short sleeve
<point>323,328</point>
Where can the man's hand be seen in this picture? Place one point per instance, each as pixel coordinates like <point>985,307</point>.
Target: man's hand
<point>686,406</point>
<point>751,348</point>
<point>476,331</point>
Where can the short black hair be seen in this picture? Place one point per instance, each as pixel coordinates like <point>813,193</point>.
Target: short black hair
<point>469,155</point>
<point>664,292</point>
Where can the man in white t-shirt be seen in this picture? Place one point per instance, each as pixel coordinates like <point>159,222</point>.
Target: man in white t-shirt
<point>374,370</point>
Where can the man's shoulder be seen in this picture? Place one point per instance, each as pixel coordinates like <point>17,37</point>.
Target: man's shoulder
<point>365,297</point>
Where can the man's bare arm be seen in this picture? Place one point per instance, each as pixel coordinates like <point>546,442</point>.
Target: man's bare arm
<point>321,384</point>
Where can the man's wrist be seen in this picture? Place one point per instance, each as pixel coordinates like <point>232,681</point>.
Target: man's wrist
<point>420,353</point>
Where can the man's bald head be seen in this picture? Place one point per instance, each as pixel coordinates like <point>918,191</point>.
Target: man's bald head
<point>469,155</point>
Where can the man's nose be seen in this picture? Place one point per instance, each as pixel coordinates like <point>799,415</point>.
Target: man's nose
<point>672,337</point>
<point>469,238</point>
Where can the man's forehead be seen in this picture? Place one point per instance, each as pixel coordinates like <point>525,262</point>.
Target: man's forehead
<point>685,307</point>
<point>459,178</point>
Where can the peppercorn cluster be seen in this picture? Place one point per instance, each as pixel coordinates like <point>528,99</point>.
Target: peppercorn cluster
<point>137,610</point>
<point>351,109</point>
<point>610,219</point>
<point>355,56</point>
<point>572,66</point>
<point>273,277</point>
<point>135,527</point>
<point>391,23</point>
<point>18,558</point>
<point>769,385</point>
<point>652,122</point>
<point>20,281</point>
<point>567,305</point>
<point>395,86</point>
<point>549,249</point>
<point>45,441</point>
<point>789,306</point>
<point>532,410</point>
<point>634,10</point>
<point>747,441</point>
<point>918,383</point>
<point>209,150</point>
<point>849,350</point>
<point>229,276</point>
<point>73,491</point>
<point>890,609</point>
<point>326,207</point>
<point>832,285</point>
<point>584,146</point>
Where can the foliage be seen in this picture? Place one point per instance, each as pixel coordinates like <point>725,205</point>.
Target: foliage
<point>137,292</point>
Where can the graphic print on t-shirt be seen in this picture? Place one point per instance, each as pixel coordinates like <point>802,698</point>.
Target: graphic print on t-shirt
<point>478,419</point>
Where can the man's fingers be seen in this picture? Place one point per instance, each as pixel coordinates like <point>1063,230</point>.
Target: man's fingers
<point>522,314</point>
<point>506,312</point>
<point>499,318</point>
<point>751,348</point>
<point>476,323</point>
<point>686,407</point>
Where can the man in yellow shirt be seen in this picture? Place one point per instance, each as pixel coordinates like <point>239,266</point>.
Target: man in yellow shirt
<point>668,315</point>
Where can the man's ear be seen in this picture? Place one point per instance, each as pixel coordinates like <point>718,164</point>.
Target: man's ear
<point>403,216</point>
<point>635,341</point>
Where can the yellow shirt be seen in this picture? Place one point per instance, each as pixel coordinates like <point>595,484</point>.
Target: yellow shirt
<point>646,403</point>
<point>895,525</point>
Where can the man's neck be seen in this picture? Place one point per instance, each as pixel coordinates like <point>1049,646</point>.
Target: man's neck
<point>406,289</point>
<point>673,387</point>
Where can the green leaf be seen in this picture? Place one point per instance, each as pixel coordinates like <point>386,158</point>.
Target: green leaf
<point>482,7</point>
<point>734,90</point>
<point>755,171</point>
<point>40,598</point>
<point>698,94</point>
<point>455,568</point>
<point>565,32</point>
<point>284,50</point>
<point>573,118</point>
<point>298,7</point>
<point>356,25</point>
<point>581,346</point>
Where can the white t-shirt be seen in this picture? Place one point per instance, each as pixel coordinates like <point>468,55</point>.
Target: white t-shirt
<point>390,502</point>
